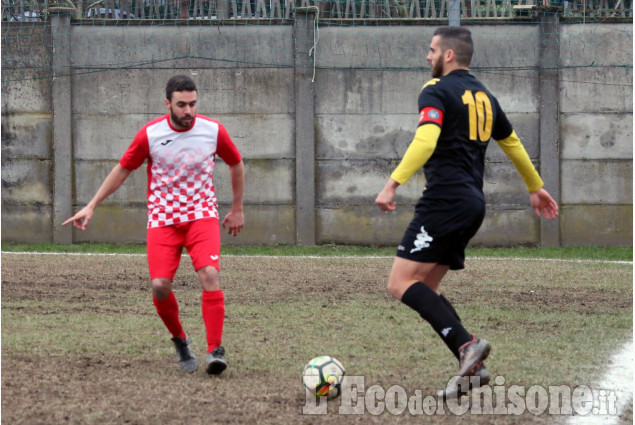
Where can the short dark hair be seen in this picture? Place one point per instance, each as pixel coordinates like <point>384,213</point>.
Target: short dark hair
<point>179,83</point>
<point>459,40</point>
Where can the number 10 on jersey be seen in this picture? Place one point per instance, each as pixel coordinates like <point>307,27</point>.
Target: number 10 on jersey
<point>480,114</point>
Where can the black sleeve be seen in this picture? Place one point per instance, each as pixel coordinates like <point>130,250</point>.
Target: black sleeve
<point>502,127</point>
<point>430,96</point>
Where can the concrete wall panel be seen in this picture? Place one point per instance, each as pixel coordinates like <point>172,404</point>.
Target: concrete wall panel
<point>597,182</point>
<point>261,136</point>
<point>602,89</point>
<point>106,137</point>
<point>27,135</point>
<point>597,136</point>
<point>31,94</point>
<point>514,47</point>
<point>504,187</point>
<point>522,95</point>
<point>362,225</point>
<point>364,136</point>
<point>192,47</point>
<point>355,182</point>
<point>114,223</point>
<point>372,47</point>
<point>264,224</point>
<point>526,126</point>
<point>368,92</point>
<point>508,228</point>
<point>269,182</point>
<point>388,136</point>
<point>611,45</point>
<point>93,173</point>
<point>26,181</point>
<point>597,225</point>
<point>27,223</point>
<point>139,91</point>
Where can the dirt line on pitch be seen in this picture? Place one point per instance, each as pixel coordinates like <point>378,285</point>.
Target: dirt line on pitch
<point>322,257</point>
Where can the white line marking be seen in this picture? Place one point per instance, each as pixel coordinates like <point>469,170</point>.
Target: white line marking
<point>618,379</point>
<point>330,257</point>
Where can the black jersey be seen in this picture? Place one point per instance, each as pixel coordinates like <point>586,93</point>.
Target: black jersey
<point>469,115</point>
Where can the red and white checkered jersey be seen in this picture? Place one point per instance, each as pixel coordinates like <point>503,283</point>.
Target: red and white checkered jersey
<point>180,167</point>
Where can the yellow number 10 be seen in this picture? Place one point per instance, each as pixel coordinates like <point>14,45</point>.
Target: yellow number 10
<point>480,110</point>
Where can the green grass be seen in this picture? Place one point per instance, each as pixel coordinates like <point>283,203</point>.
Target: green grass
<point>91,318</point>
<point>587,253</point>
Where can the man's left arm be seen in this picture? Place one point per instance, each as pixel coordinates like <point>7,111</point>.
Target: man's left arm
<point>235,218</point>
<point>541,201</point>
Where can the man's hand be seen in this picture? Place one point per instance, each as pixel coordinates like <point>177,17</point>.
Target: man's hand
<point>81,219</point>
<point>235,220</point>
<point>385,198</point>
<point>543,203</point>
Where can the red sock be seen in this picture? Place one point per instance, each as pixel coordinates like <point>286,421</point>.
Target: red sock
<point>213,307</point>
<point>168,310</point>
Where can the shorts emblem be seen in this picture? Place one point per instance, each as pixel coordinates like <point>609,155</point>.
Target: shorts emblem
<point>422,241</point>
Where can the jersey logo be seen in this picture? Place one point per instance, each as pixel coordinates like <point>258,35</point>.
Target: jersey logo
<point>166,142</point>
<point>422,241</point>
<point>431,115</point>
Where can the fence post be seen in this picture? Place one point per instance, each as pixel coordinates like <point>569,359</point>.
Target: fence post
<point>222,9</point>
<point>62,127</point>
<point>549,87</point>
<point>454,13</point>
<point>304,32</point>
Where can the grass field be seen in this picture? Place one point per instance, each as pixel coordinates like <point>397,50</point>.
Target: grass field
<point>81,342</point>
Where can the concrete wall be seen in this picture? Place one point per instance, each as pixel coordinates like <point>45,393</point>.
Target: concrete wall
<point>317,152</point>
<point>27,137</point>
<point>596,127</point>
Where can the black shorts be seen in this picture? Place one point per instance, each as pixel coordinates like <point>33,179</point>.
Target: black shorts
<point>441,230</point>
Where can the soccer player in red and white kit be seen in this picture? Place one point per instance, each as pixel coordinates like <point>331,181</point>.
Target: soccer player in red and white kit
<point>181,148</point>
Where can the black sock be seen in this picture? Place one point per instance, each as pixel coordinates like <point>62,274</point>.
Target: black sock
<point>433,310</point>
<point>450,307</point>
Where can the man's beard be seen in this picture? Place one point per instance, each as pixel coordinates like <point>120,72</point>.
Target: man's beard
<point>179,121</point>
<point>437,70</point>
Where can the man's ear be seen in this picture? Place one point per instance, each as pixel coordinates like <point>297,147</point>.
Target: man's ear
<point>449,55</point>
<point>167,103</point>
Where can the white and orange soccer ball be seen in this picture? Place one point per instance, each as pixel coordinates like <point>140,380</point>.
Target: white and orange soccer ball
<point>323,376</point>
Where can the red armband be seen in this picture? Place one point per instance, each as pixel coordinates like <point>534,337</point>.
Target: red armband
<point>431,115</point>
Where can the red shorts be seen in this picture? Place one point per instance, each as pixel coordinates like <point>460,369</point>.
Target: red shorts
<point>165,245</point>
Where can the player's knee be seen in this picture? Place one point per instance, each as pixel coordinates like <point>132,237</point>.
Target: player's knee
<point>161,288</point>
<point>209,278</point>
<point>394,288</point>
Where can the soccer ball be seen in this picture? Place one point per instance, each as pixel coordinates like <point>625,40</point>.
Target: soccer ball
<point>323,376</point>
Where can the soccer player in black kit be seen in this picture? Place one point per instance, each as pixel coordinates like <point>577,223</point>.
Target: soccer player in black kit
<point>457,118</point>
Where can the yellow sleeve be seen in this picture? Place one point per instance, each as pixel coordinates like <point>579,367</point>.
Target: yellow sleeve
<point>516,152</point>
<point>418,153</point>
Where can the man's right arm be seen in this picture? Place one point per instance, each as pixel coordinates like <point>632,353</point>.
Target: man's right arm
<point>114,180</point>
<point>420,150</point>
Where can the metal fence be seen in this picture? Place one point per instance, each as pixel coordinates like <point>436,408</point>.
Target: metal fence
<point>37,10</point>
